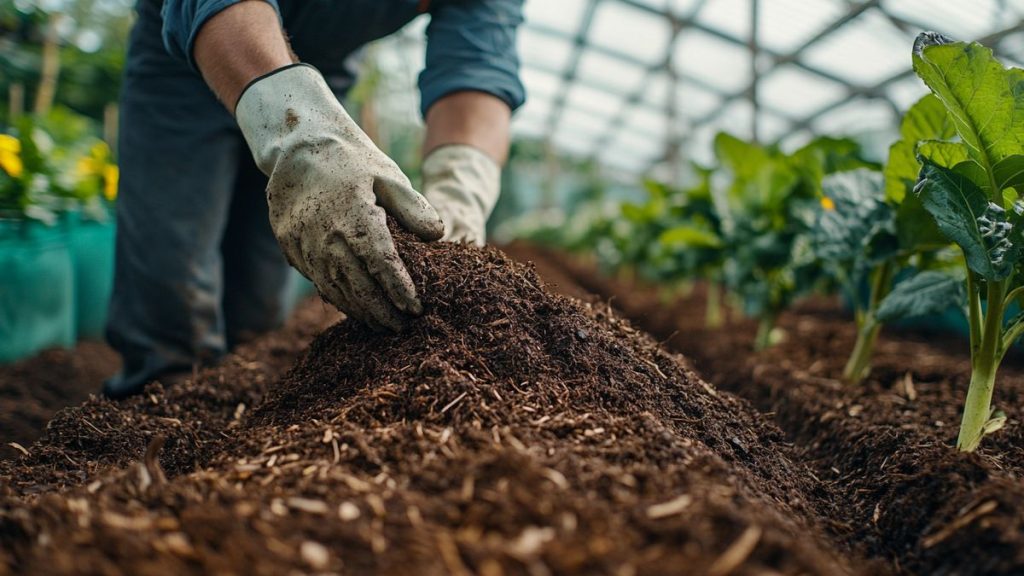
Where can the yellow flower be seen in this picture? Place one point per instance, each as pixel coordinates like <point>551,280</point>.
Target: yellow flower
<point>828,204</point>
<point>110,177</point>
<point>10,160</point>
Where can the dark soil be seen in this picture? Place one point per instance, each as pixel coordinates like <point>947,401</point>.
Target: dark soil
<point>33,390</point>
<point>508,431</point>
<point>885,448</point>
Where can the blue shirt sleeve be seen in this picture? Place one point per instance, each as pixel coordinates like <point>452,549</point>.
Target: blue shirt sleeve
<point>184,18</point>
<point>471,45</point>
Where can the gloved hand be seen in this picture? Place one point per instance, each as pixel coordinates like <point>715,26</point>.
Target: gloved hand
<point>463,184</point>
<point>329,193</point>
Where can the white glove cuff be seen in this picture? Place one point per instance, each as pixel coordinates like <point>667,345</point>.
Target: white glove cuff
<point>478,176</point>
<point>282,110</point>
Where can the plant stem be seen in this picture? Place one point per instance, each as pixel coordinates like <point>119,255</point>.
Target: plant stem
<point>713,314</point>
<point>765,325</point>
<point>859,364</point>
<point>984,366</point>
<point>974,315</point>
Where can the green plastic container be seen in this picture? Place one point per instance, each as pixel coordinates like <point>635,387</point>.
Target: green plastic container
<point>92,254</point>
<point>299,288</point>
<point>37,295</point>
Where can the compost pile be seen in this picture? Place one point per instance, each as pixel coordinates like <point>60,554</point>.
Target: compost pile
<point>508,430</point>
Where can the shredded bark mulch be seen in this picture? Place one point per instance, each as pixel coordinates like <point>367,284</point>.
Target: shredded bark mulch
<point>884,448</point>
<point>507,431</point>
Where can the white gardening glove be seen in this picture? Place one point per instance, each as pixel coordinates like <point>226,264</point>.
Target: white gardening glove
<point>329,193</point>
<point>463,184</point>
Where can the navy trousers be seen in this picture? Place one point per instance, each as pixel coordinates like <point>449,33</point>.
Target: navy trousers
<point>197,266</point>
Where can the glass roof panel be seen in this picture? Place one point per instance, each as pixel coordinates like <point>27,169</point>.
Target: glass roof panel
<point>699,145</point>
<point>729,16</point>
<point>719,63</point>
<point>796,91</point>
<point>578,132</point>
<point>1012,50</point>
<point>696,102</point>
<point>787,24</point>
<point>631,148</point>
<point>855,117</point>
<point>549,51</point>
<point>540,83</point>
<point>678,7</point>
<point>907,91</point>
<point>627,40</point>
<point>535,110</point>
<point>646,121</point>
<point>564,15</point>
<point>866,50</point>
<point>591,100</point>
<point>960,20</point>
<point>656,90</point>
<point>737,119</point>
<point>771,127</point>
<point>629,30</point>
<point>610,71</point>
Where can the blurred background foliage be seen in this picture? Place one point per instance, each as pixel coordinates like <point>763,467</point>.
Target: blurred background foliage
<point>90,37</point>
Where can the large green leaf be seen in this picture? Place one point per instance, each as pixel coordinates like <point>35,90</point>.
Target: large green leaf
<point>855,214</point>
<point>945,154</point>
<point>1009,172</point>
<point>961,209</point>
<point>985,100</point>
<point>927,119</point>
<point>929,292</point>
<point>916,228</point>
<point>689,236</point>
<point>743,159</point>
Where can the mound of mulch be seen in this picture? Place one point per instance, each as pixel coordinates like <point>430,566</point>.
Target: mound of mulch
<point>34,389</point>
<point>507,431</point>
<point>885,447</point>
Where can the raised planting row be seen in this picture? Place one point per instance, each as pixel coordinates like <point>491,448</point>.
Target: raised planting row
<point>508,431</point>
<point>939,226</point>
<point>883,448</point>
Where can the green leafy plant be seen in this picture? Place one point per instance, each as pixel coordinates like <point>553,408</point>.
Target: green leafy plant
<point>869,229</point>
<point>767,208</point>
<point>971,187</point>
<point>41,177</point>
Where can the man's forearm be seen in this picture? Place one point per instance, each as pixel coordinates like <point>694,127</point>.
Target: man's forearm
<point>239,44</point>
<point>477,119</point>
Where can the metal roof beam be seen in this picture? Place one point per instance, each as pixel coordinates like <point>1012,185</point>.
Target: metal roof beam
<point>793,58</point>
<point>878,90</point>
<point>569,75</point>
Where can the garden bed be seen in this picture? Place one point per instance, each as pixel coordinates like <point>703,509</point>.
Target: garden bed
<point>508,431</point>
<point>884,448</point>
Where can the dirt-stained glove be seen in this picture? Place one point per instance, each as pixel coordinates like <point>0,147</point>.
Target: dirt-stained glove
<point>329,193</point>
<point>463,184</point>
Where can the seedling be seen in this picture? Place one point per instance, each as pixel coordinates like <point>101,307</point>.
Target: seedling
<point>971,188</point>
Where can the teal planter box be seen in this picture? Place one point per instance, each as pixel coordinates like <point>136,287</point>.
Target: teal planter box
<point>37,295</point>
<point>92,254</point>
<point>299,288</point>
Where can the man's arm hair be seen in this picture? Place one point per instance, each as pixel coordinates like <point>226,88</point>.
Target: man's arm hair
<point>238,45</point>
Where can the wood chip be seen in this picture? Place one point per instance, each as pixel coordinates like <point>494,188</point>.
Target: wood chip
<point>18,447</point>
<point>670,508</point>
<point>308,505</point>
<point>348,511</point>
<point>737,553</point>
<point>315,554</point>
<point>556,477</point>
<point>908,386</point>
<point>530,541</point>
<point>984,508</point>
<point>454,402</point>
